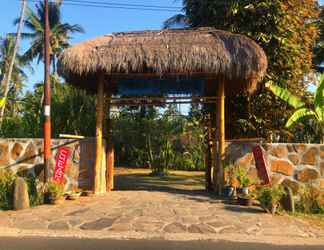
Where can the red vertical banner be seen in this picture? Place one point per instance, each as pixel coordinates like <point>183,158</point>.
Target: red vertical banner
<point>60,164</point>
<point>261,165</point>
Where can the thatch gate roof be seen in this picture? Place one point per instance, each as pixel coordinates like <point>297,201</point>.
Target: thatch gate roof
<point>206,53</point>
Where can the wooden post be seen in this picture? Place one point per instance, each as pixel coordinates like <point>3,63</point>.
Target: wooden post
<point>221,136</point>
<point>110,167</point>
<point>208,155</point>
<point>99,126</point>
<point>110,161</point>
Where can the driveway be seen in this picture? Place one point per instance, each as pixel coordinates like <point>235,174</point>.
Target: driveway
<point>173,213</point>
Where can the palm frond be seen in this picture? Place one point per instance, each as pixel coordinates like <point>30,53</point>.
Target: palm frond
<point>319,99</point>
<point>299,115</point>
<point>286,96</point>
<point>176,20</point>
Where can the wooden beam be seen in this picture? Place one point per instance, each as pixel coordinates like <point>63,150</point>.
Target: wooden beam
<point>221,136</point>
<point>99,128</point>
<point>185,75</point>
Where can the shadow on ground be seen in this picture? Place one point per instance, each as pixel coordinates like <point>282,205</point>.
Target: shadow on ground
<point>192,185</point>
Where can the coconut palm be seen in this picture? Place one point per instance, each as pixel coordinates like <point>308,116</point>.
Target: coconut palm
<point>7,46</point>
<point>304,110</point>
<point>59,32</point>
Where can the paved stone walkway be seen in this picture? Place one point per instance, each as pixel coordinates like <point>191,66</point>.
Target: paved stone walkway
<point>156,213</point>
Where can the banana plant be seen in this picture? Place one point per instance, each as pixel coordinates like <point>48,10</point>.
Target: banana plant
<point>313,111</point>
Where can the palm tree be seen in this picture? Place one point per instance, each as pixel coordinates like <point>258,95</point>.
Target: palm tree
<point>59,32</point>
<point>7,46</point>
<point>304,110</point>
<point>8,68</point>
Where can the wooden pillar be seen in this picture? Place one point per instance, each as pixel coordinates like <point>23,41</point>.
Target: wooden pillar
<point>208,155</point>
<point>221,136</point>
<point>99,129</point>
<point>110,162</point>
<point>110,167</point>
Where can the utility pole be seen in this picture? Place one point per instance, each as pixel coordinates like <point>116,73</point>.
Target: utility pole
<point>7,79</point>
<point>47,97</point>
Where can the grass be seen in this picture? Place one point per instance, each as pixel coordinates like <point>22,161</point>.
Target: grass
<point>140,179</point>
<point>314,220</point>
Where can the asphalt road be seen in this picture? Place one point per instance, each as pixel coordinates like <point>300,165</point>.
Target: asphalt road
<point>88,244</point>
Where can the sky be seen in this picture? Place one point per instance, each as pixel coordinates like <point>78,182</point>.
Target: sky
<point>95,21</point>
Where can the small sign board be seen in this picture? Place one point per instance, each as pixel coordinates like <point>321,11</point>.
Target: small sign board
<point>261,165</point>
<point>61,160</point>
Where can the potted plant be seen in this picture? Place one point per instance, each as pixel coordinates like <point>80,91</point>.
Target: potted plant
<point>269,197</point>
<point>229,189</point>
<point>243,180</point>
<point>245,199</point>
<point>55,193</point>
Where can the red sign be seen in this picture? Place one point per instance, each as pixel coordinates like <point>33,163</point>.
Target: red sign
<point>61,160</point>
<point>261,165</point>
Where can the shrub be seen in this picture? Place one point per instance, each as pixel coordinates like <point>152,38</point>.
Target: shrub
<point>269,197</point>
<point>242,177</point>
<point>55,189</point>
<point>7,179</point>
<point>35,191</point>
<point>309,200</point>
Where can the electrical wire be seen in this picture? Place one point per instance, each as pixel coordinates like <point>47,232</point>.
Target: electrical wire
<point>123,4</point>
<point>106,5</point>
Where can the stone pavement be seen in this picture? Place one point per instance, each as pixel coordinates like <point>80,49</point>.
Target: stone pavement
<point>155,213</point>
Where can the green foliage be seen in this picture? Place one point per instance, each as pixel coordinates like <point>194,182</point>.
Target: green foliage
<point>309,200</point>
<point>242,177</point>
<point>7,179</point>
<point>36,194</point>
<point>55,189</point>
<point>2,101</point>
<point>166,140</point>
<point>269,197</point>
<point>286,32</point>
<point>59,32</point>
<point>313,111</point>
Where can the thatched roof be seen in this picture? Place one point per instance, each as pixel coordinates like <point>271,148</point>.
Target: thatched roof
<point>206,53</point>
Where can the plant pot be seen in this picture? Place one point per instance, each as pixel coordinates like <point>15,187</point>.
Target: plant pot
<point>228,191</point>
<point>87,193</point>
<point>245,201</point>
<point>245,190</point>
<point>53,200</point>
<point>73,196</point>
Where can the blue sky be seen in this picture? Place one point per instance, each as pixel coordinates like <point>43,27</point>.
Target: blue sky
<point>95,21</point>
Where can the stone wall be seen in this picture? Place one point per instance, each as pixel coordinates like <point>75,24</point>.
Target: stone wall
<point>292,164</point>
<point>25,157</point>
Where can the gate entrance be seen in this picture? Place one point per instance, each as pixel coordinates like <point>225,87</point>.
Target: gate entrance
<point>214,62</point>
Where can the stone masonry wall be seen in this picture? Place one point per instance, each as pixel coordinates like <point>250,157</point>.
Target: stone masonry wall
<point>291,164</point>
<point>24,157</point>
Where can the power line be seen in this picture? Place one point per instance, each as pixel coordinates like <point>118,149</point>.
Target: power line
<point>106,5</point>
<point>123,4</point>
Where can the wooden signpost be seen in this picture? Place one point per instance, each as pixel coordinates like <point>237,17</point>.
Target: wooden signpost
<point>261,165</point>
